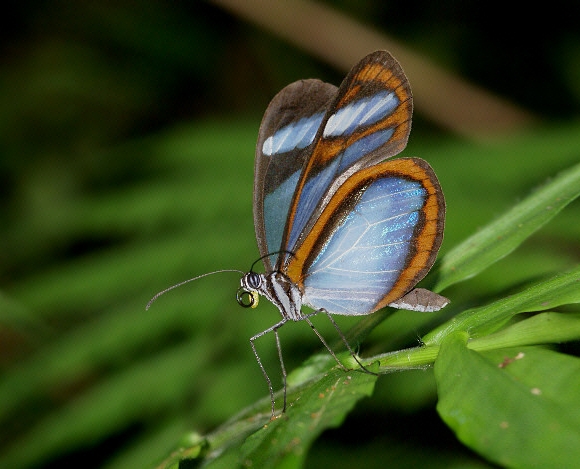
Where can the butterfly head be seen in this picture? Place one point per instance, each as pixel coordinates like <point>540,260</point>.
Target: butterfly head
<point>253,284</point>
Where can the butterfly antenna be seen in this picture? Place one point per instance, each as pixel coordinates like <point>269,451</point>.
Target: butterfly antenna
<point>172,287</point>
<point>268,255</point>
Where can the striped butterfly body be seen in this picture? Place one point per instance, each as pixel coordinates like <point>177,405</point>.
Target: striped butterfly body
<point>338,228</point>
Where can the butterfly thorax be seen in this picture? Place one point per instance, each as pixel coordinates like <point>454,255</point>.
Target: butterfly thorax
<point>278,289</point>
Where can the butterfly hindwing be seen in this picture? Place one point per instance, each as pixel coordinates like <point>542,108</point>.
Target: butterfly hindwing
<point>375,239</point>
<point>285,141</point>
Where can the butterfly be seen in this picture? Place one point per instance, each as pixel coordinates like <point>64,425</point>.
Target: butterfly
<point>338,228</point>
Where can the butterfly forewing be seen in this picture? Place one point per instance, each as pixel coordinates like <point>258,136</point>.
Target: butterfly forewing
<point>368,121</point>
<point>285,142</point>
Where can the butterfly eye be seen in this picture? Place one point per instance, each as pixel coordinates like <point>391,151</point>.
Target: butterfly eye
<point>247,299</point>
<point>252,281</point>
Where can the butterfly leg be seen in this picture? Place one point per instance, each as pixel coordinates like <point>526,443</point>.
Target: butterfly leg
<point>342,337</point>
<point>307,319</point>
<point>281,366</point>
<point>274,329</point>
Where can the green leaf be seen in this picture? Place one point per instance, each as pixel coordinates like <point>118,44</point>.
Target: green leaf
<point>556,291</point>
<point>518,407</point>
<point>506,233</point>
<point>543,328</point>
<point>323,404</point>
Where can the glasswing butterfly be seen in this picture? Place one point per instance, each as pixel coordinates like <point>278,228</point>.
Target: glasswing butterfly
<point>338,228</point>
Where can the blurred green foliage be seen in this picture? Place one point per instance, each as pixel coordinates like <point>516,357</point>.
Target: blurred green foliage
<point>127,134</point>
